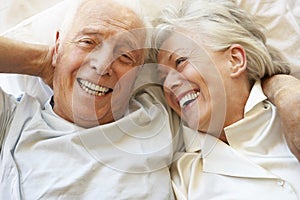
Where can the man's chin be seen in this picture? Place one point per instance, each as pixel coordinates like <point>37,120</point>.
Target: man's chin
<point>87,122</point>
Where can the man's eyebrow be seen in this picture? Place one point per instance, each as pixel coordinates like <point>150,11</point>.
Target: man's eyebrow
<point>90,31</point>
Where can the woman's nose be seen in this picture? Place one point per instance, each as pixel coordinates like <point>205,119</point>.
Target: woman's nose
<point>173,80</point>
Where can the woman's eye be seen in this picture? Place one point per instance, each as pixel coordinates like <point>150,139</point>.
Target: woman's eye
<point>180,60</point>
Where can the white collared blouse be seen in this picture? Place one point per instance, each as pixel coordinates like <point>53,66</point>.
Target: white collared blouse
<point>257,163</point>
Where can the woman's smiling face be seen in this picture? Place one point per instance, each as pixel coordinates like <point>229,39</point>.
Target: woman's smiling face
<point>191,80</point>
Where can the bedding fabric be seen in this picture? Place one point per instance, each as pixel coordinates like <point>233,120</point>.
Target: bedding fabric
<point>45,157</point>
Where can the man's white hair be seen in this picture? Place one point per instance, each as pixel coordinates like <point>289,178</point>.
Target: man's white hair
<point>74,5</point>
<point>134,5</point>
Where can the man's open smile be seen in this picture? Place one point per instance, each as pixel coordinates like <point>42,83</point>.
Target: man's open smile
<point>92,88</point>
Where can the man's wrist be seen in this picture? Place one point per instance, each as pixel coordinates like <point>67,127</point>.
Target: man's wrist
<point>277,88</point>
<point>40,60</point>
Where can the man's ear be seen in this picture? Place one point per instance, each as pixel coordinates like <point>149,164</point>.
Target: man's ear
<point>238,60</point>
<point>55,53</point>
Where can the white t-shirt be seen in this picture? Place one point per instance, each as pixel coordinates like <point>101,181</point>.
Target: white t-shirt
<point>46,157</point>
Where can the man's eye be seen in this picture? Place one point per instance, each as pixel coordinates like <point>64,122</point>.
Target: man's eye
<point>127,59</point>
<point>86,42</point>
<point>180,61</point>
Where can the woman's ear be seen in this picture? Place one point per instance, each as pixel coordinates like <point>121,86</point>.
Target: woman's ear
<point>238,60</point>
<point>55,53</point>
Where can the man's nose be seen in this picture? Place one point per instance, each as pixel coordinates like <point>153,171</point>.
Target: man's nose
<point>101,60</point>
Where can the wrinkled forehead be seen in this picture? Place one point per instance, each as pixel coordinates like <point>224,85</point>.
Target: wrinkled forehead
<point>108,12</point>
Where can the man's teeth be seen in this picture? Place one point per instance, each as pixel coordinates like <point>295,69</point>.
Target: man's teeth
<point>92,88</point>
<point>188,98</point>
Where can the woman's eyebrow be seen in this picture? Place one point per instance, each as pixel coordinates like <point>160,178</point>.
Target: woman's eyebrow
<point>176,52</point>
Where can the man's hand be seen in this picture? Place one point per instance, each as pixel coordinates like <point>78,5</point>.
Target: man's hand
<point>25,58</point>
<point>46,68</point>
<point>284,92</point>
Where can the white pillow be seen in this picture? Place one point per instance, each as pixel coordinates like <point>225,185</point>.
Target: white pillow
<point>41,27</point>
<point>282,22</point>
<point>13,12</point>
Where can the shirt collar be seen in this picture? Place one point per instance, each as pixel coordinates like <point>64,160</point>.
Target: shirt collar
<point>240,135</point>
<point>256,96</point>
<point>219,158</point>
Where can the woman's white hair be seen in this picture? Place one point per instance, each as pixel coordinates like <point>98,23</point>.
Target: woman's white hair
<point>220,23</point>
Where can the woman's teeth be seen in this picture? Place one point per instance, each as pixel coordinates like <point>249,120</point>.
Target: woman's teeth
<point>188,98</point>
<point>92,88</point>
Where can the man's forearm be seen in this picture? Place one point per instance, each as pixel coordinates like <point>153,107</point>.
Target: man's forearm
<point>22,58</point>
<point>284,92</point>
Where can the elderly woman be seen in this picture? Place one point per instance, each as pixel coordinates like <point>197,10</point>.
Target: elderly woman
<point>212,59</point>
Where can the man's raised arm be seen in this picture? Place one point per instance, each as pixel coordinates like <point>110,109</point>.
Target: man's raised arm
<point>284,92</point>
<point>25,58</point>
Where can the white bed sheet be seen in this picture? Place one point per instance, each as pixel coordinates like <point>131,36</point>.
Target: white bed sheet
<point>13,12</point>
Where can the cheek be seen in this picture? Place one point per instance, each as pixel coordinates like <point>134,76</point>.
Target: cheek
<point>69,60</point>
<point>124,84</point>
<point>125,74</point>
<point>65,71</point>
<point>170,99</point>
<point>209,111</point>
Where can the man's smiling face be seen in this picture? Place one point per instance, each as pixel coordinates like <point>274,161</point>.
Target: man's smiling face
<point>96,63</point>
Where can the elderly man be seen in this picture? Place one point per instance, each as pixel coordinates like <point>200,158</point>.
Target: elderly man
<point>88,142</point>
